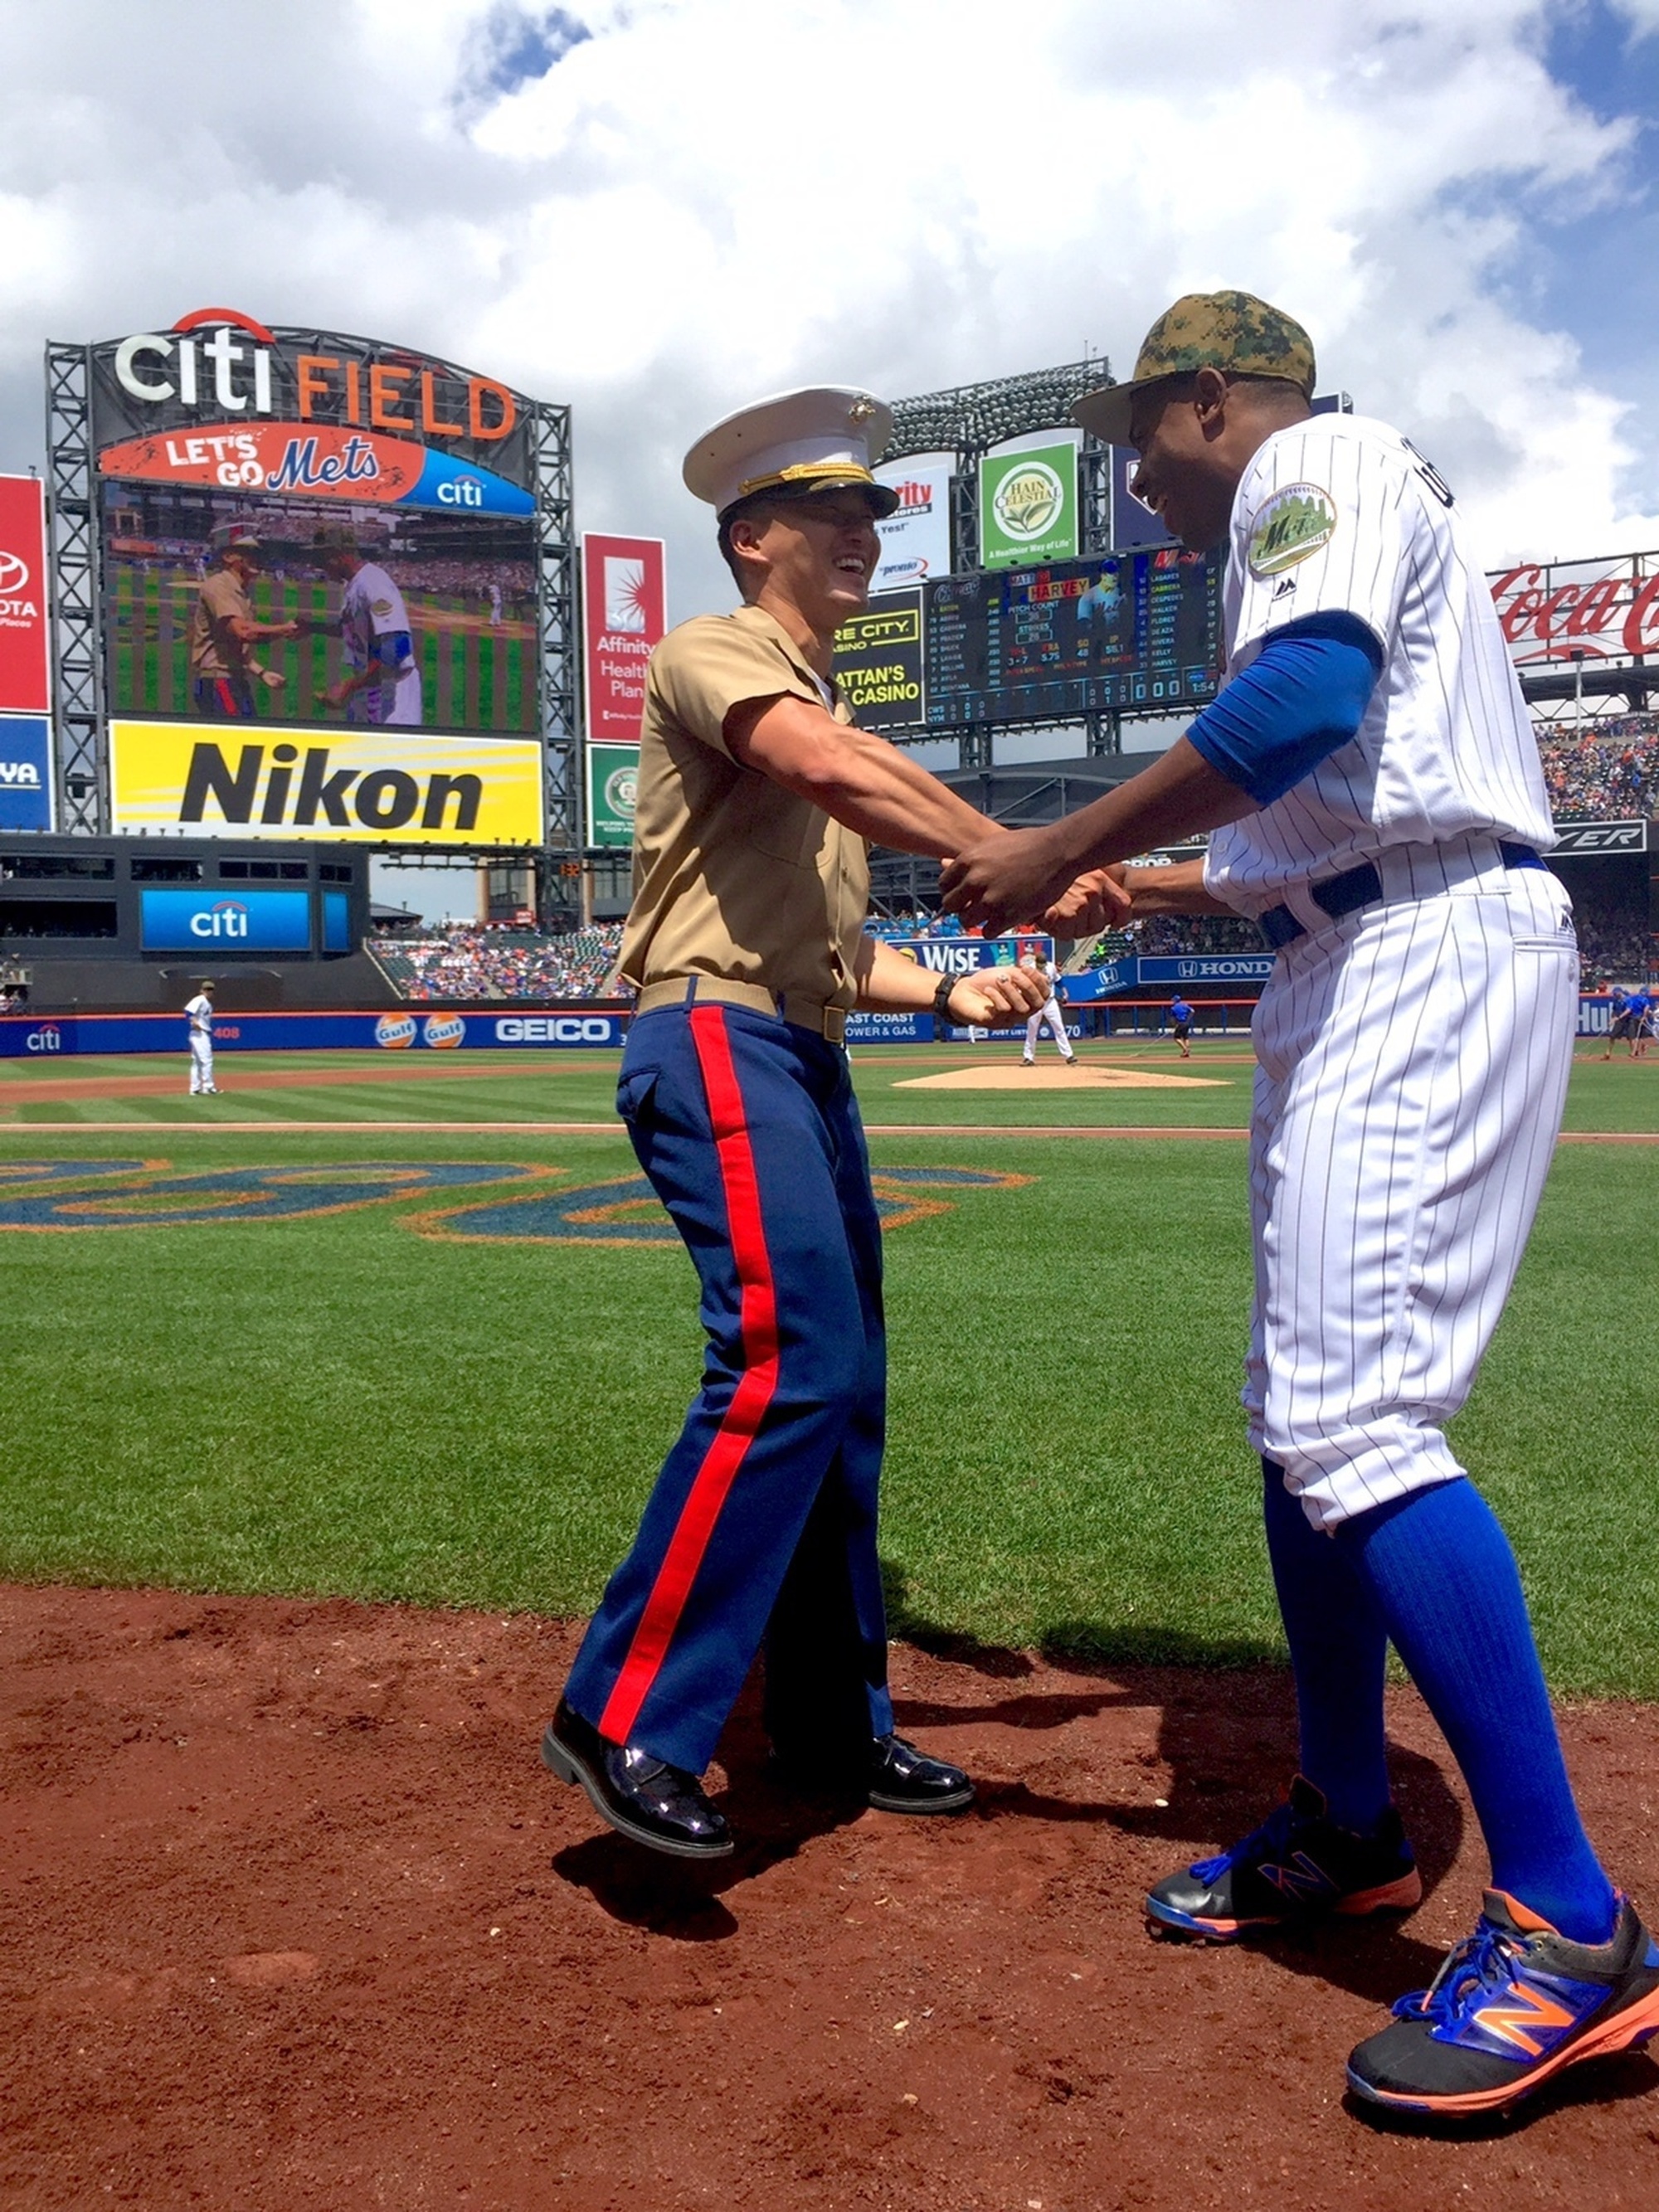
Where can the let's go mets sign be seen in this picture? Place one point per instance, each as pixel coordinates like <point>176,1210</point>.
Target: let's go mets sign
<point>370,786</point>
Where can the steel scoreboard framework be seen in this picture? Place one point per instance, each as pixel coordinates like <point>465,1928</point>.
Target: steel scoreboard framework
<point>389,493</point>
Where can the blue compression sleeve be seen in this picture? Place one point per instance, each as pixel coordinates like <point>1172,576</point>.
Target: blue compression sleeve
<point>1304,696</point>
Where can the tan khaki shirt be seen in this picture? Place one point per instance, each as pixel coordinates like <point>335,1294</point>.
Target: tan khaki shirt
<point>215,647</point>
<point>734,876</point>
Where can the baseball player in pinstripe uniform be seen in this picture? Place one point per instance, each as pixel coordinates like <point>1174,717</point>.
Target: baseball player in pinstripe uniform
<point>1370,777</point>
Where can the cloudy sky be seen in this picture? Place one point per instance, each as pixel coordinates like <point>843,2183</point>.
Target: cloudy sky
<point>657,208</point>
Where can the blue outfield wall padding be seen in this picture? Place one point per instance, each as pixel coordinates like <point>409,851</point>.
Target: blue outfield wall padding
<point>34,1036</point>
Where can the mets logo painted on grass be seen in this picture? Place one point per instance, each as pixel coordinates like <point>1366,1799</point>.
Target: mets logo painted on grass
<point>64,1196</point>
<point>629,1212</point>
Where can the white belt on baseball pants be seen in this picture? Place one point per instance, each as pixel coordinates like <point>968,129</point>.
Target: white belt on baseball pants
<point>1412,1066</point>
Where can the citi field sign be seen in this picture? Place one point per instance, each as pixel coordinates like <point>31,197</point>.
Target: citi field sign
<point>223,401</point>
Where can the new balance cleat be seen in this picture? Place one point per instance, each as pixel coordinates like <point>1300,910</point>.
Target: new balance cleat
<point>1514,2004</point>
<point>1298,1865</point>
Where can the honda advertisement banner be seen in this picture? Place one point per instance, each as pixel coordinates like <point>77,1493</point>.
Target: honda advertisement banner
<point>25,680</point>
<point>623,616</point>
<point>916,538</point>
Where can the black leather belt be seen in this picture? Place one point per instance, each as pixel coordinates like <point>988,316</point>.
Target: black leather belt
<point>1357,887</point>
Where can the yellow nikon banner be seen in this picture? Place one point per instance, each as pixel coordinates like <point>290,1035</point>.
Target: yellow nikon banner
<point>368,786</point>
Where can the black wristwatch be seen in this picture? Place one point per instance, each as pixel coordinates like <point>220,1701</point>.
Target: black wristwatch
<point>942,997</point>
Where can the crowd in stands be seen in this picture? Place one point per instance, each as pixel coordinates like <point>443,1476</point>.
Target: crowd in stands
<point>463,961</point>
<point>1607,774</point>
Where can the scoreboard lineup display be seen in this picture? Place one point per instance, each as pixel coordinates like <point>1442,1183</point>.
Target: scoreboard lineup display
<point>1118,631</point>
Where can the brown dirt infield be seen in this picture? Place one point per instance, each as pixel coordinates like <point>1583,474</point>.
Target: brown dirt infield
<point>293,1918</point>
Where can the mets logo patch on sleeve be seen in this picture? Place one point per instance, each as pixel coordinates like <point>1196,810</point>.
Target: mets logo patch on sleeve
<point>1297,520</point>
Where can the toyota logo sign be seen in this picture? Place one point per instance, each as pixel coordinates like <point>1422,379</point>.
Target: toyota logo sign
<point>13,573</point>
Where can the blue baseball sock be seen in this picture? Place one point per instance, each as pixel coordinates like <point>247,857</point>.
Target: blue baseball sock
<point>1338,1645</point>
<point>1444,1581</point>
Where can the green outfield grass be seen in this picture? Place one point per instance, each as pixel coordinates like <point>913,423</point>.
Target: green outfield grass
<point>335,1403</point>
<point>1621,1095</point>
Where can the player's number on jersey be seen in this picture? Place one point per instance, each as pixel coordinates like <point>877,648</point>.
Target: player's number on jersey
<point>1430,475</point>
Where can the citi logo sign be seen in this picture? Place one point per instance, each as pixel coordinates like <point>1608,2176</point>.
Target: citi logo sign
<point>47,1039</point>
<point>224,918</point>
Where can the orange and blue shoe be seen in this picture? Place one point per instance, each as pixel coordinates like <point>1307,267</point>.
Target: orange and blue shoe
<point>1514,2004</point>
<point>1298,1865</point>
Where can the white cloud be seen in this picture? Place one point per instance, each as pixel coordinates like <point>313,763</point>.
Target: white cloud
<point>703,201</point>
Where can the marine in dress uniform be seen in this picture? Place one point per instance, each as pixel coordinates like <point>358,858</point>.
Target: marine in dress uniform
<point>746,944</point>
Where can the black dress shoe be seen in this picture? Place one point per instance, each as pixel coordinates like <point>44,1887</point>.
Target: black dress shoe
<point>642,1798</point>
<point>905,1780</point>
<point>895,1778</point>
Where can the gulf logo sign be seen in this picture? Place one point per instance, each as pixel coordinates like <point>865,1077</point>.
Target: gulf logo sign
<point>395,1030</point>
<point>443,1031</point>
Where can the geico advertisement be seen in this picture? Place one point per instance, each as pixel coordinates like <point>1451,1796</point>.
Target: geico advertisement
<point>362,785</point>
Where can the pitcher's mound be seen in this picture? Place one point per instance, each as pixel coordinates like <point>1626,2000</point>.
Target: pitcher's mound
<point>1054,1075</point>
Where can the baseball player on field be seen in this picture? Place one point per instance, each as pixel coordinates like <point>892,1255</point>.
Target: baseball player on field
<point>198,1013</point>
<point>382,683</point>
<point>1180,1025</point>
<point>1374,790</point>
<point>1048,1015</point>
<point>746,943</point>
<point>1618,1018</point>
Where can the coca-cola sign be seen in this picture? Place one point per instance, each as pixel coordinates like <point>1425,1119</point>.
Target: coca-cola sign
<point>1580,610</point>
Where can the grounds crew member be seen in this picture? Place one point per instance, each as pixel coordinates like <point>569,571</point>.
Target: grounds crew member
<point>746,942</point>
<point>1372,778</point>
<point>222,626</point>
<point>198,1013</point>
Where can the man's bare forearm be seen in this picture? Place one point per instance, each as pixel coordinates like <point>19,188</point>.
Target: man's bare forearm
<point>1175,889</point>
<point>859,778</point>
<point>1179,796</point>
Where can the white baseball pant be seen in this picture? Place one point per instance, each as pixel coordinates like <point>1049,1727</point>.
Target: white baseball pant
<point>1413,1063</point>
<point>1051,1014</point>
<point>201,1061</point>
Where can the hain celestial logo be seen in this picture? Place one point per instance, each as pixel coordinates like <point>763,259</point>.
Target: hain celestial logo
<point>1028,500</point>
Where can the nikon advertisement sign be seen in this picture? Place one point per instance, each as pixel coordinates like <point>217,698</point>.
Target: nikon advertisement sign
<point>879,663</point>
<point>365,786</point>
<point>1028,506</point>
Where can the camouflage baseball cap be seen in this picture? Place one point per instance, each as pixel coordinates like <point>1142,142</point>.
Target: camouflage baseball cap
<point>1231,331</point>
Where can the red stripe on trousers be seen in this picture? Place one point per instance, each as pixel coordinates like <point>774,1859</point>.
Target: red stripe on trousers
<point>758,1327</point>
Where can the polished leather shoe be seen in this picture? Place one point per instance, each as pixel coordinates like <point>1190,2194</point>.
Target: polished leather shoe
<point>642,1798</point>
<point>896,1777</point>
<point>905,1780</point>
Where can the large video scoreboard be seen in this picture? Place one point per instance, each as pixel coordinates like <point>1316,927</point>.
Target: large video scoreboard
<point>1120,632</point>
<point>1123,630</point>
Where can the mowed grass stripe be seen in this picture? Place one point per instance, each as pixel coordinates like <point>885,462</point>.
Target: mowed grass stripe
<point>338,1404</point>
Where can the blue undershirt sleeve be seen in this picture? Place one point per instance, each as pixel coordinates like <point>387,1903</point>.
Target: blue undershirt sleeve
<point>1304,696</point>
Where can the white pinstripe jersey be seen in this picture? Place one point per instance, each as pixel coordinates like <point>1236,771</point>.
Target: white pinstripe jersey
<point>1339,515</point>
